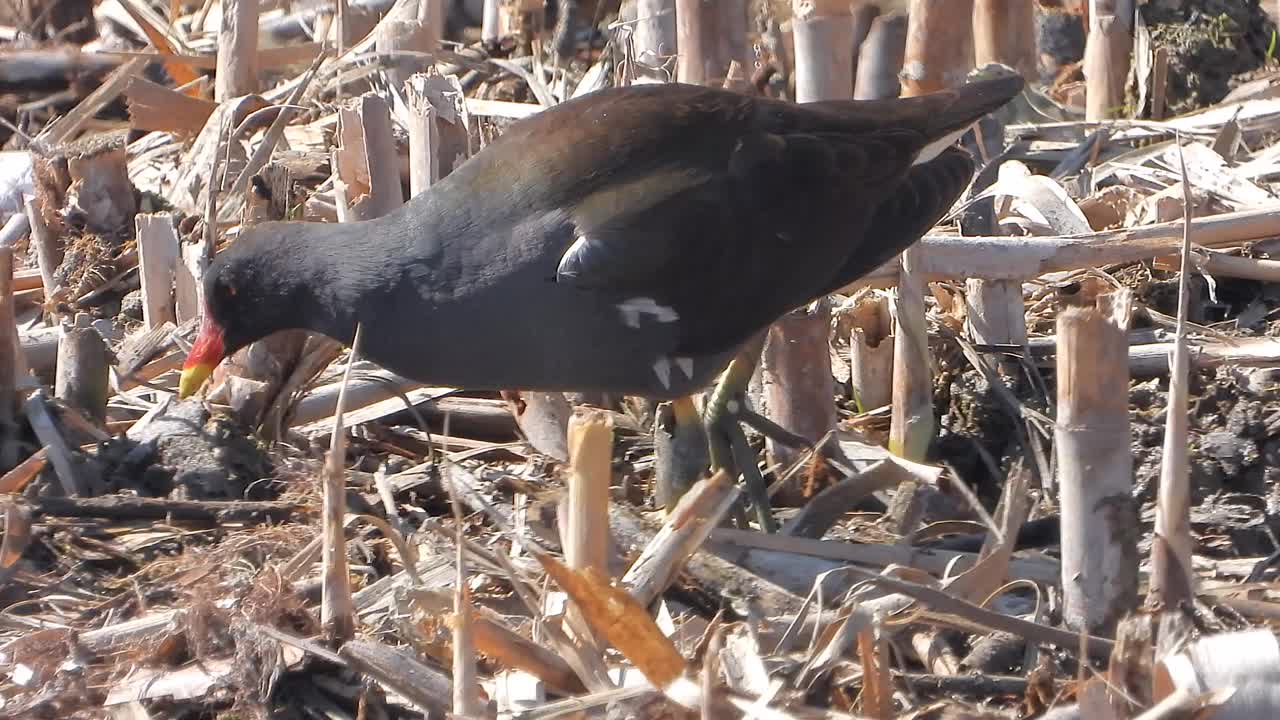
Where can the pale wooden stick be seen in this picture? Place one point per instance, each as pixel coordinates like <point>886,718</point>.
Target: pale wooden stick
<point>237,50</point>
<point>1095,466</point>
<point>586,534</point>
<point>157,264</point>
<point>1172,580</point>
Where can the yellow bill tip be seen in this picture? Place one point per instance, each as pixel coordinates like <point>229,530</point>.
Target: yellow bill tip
<point>193,378</point>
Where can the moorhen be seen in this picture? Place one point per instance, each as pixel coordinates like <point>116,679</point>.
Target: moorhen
<point>627,241</point>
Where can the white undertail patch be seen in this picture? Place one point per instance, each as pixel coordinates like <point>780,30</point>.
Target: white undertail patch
<point>662,368</point>
<point>686,366</point>
<point>634,308</point>
<point>935,148</point>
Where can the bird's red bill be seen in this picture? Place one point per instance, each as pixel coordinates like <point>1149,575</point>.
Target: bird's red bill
<point>205,355</point>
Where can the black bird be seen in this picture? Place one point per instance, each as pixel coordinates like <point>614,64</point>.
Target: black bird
<point>628,241</point>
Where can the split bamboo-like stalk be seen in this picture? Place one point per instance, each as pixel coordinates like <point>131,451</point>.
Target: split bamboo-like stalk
<point>237,50</point>
<point>1004,31</point>
<point>399,38</point>
<point>796,370</point>
<point>654,39</point>
<point>871,342</point>
<point>880,58</point>
<point>383,159</point>
<point>10,357</point>
<point>48,249</point>
<point>679,449</point>
<point>37,410</point>
<point>1107,56</point>
<point>939,51</point>
<point>337,610</point>
<point>489,21</point>
<point>83,377</point>
<point>1095,466</point>
<point>824,50</point>
<point>1172,579</point>
<point>938,55</point>
<point>796,363</point>
<point>158,250</point>
<point>586,535</point>
<point>711,36</point>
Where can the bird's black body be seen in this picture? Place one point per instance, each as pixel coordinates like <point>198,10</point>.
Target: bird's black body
<point>626,241</point>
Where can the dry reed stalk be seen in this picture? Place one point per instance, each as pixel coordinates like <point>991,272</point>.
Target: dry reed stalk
<point>48,249</point>
<point>1095,465</point>
<point>1172,579</point>
<point>1107,56</point>
<point>158,250</point>
<point>10,361</point>
<point>824,39</point>
<point>942,257</point>
<point>711,35</point>
<point>590,458</point>
<point>687,526</point>
<point>1004,31</point>
<point>83,379</point>
<point>655,40</point>
<point>237,50</point>
<point>59,453</point>
<point>337,611</point>
<point>880,58</point>
<point>795,369</point>
<point>939,50</point>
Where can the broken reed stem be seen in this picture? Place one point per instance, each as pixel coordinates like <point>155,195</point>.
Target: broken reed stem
<point>237,50</point>
<point>1171,577</point>
<point>1095,466</point>
<point>939,49</point>
<point>824,51</point>
<point>37,410</point>
<point>654,38</point>
<point>880,58</point>
<point>158,251</point>
<point>466,686</point>
<point>1004,31</point>
<point>48,249</point>
<point>424,135</point>
<point>83,378</point>
<point>489,22</point>
<point>385,193</point>
<point>9,354</point>
<point>337,611</point>
<point>590,460</point>
<point>688,525</point>
<point>1107,56</point>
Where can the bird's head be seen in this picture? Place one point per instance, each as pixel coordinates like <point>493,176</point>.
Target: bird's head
<point>251,290</point>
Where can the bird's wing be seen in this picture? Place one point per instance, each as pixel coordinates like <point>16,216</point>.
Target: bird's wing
<point>727,250</point>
